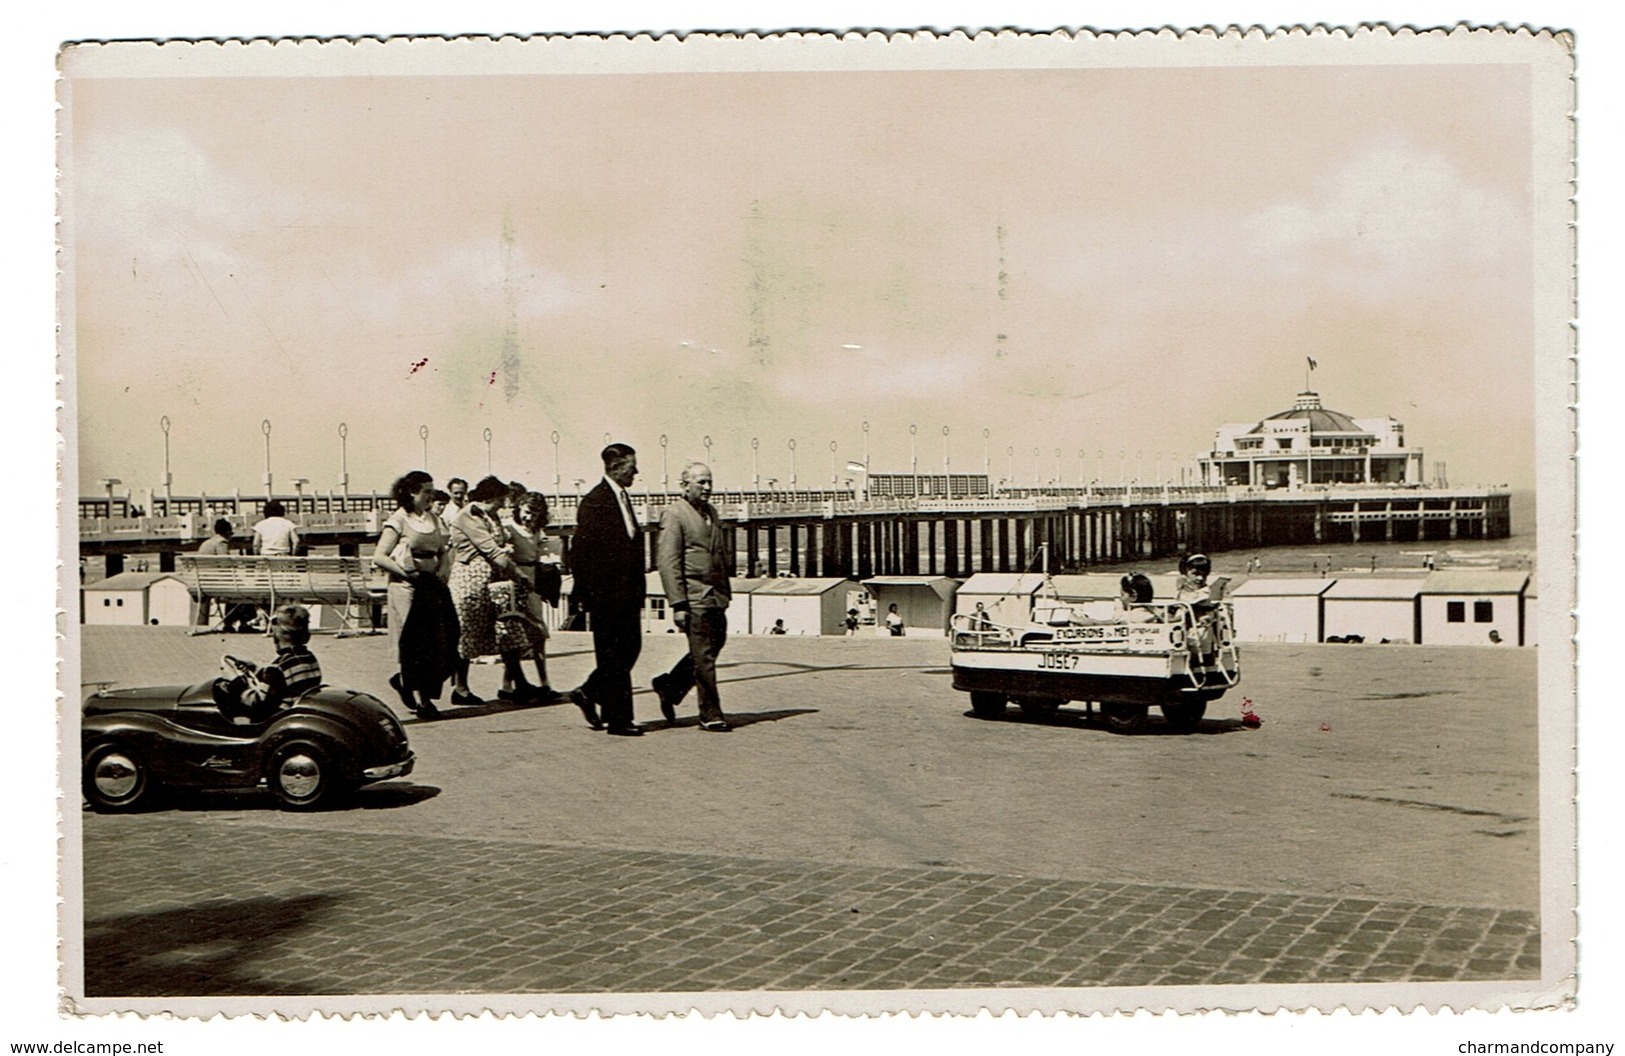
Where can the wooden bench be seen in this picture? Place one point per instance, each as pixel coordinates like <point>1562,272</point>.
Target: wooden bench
<point>266,582</point>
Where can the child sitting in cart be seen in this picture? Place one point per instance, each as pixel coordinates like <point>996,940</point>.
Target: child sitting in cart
<point>256,692</point>
<point>1193,589</point>
<point>1133,601</point>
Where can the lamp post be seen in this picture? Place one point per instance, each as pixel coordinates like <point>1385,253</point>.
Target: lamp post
<point>578,482</point>
<point>792,465</point>
<point>755,474</point>
<point>665,480</point>
<point>1083,472</point>
<point>1122,474</point>
<point>706,440</point>
<point>163,423</point>
<point>1057,467</point>
<point>834,470</point>
<point>487,450</point>
<point>344,461</point>
<point>423,434</point>
<point>986,472</point>
<point>299,491</point>
<point>866,460</point>
<point>1036,473</point>
<point>913,462</point>
<point>1010,465</point>
<point>947,488</point>
<point>265,427</point>
<point>558,497</point>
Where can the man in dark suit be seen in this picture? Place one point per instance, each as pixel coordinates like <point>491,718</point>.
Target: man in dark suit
<point>606,559</point>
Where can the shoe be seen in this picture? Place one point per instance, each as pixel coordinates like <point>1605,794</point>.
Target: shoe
<point>428,711</point>
<point>465,699</point>
<point>668,707</point>
<point>626,731</point>
<point>715,727</point>
<point>400,691</point>
<point>588,709</point>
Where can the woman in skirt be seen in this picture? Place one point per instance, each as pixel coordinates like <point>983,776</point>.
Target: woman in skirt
<point>414,550</point>
<point>481,555</point>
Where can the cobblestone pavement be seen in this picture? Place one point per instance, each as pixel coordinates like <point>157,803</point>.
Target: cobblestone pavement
<point>300,912</point>
<point>859,830</point>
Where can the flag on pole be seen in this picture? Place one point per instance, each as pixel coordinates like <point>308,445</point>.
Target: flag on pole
<point>1311,360</point>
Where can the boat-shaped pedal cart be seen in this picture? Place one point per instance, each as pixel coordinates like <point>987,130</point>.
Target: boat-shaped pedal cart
<point>1178,659</point>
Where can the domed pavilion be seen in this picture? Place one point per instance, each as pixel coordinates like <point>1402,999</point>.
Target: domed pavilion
<point>1309,444</point>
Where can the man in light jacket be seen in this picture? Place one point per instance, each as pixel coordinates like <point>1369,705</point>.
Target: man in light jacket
<point>693,562</point>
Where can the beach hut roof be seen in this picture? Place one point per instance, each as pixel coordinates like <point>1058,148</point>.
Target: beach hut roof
<point>1475,581</point>
<point>798,586</point>
<point>1375,588</point>
<point>942,586</point>
<point>1264,587</point>
<point>1002,583</point>
<point>130,581</point>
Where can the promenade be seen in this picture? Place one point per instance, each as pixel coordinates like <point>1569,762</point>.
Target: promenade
<point>858,830</point>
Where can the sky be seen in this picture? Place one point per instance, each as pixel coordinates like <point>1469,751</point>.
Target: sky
<point>1104,261</point>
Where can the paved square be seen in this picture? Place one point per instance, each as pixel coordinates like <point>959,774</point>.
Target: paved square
<point>859,830</point>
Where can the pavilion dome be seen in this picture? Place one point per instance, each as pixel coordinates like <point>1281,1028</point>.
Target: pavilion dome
<point>1307,408</point>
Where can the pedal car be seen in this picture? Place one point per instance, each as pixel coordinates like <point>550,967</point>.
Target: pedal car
<point>1178,659</point>
<point>309,752</point>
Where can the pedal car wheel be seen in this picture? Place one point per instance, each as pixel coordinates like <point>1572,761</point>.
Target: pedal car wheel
<point>987,705</point>
<point>1038,707</point>
<point>1121,716</point>
<point>117,778</point>
<point>1183,715</point>
<point>305,775</point>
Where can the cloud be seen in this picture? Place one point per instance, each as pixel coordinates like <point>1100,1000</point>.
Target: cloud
<point>1388,220</point>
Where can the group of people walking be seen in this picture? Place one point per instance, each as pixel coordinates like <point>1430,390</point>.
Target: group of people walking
<point>608,564</point>
<point>462,580</point>
<point>465,581</point>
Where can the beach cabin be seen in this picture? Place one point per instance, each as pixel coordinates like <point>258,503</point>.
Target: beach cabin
<point>739,607</point>
<point>1468,606</point>
<point>1279,610</point>
<point>136,599</point>
<point>1006,597</point>
<point>1375,608</point>
<point>925,602</point>
<point>806,605</point>
<point>656,613</point>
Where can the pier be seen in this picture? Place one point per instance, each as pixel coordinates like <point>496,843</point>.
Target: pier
<point>839,533</point>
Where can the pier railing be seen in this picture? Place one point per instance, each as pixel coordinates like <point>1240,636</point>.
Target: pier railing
<point>364,515</point>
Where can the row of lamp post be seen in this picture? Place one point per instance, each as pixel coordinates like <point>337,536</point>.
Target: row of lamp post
<point>755,446</point>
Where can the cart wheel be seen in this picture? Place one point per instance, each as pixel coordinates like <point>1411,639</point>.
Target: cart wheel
<point>1121,716</point>
<point>116,778</point>
<point>1183,715</point>
<point>987,705</point>
<point>1042,708</point>
<point>305,775</point>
